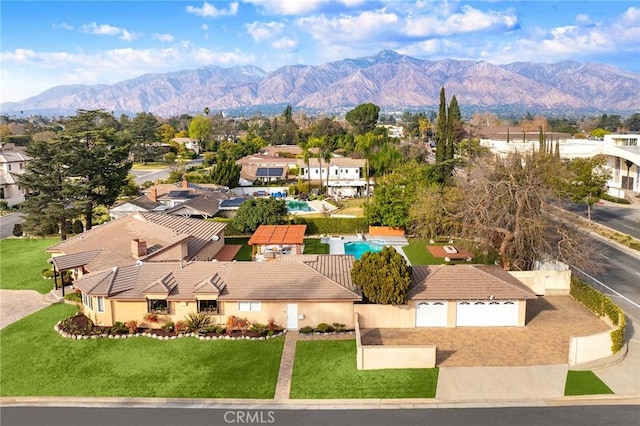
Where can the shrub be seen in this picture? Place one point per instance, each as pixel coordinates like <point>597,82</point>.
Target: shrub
<point>5,206</point>
<point>132,326</point>
<point>601,305</point>
<point>73,297</point>
<point>47,274</point>
<point>324,328</point>
<point>78,227</point>
<point>197,322</point>
<point>613,199</point>
<point>332,225</point>
<point>151,317</point>
<point>179,327</point>
<point>119,328</point>
<point>306,330</point>
<point>339,327</point>
<point>17,230</point>
<point>168,327</point>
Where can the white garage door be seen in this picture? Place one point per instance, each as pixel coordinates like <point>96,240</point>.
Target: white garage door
<point>431,313</point>
<point>487,313</point>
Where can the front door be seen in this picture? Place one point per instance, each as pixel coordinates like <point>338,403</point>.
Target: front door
<point>292,316</point>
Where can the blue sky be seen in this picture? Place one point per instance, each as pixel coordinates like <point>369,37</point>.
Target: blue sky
<point>49,43</point>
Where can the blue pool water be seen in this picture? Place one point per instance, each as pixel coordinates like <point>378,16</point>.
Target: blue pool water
<point>357,249</point>
<point>298,206</point>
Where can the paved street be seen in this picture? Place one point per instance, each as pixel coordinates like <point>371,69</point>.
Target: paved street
<point>622,218</point>
<point>7,222</point>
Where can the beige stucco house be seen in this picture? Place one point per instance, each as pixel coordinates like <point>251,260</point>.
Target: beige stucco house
<point>303,290</point>
<point>139,237</point>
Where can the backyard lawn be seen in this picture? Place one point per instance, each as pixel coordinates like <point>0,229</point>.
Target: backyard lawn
<point>585,383</point>
<point>23,260</point>
<point>245,252</point>
<point>418,254</point>
<point>314,246</point>
<point>37,361</point>
<point>326,369</point>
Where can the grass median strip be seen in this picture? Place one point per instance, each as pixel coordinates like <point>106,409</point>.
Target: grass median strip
<point>37,361</point>
<point>327,370</point>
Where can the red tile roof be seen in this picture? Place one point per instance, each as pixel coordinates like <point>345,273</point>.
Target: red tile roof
<point>278,234</point>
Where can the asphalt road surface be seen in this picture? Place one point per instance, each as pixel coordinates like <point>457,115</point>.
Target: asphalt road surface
<point>7,222</point>
<point>610,415</point>
<point>622,219</point>
<point>618,278</point>
<point>142,176</point>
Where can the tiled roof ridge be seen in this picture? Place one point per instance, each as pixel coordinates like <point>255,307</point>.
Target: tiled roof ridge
<point>97,228</point>
<point>162,281</point>
<point>107,273</point>
<point>215,280</point>
<point>317,271</point>
<point>482,268</point>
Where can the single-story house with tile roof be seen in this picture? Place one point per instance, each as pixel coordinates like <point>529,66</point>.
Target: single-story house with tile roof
<point>139,204</point>
<point>270,241</point>
<point>202,207</point>
<point>467,295</point>
<point>303,290</point>
<point>141,236</point>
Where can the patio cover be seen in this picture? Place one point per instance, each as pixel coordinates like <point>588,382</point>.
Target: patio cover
<point>278,234</point>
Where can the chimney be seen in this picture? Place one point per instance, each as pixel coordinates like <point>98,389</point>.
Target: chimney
<point>154,194</point>
<point>138,248</point>
<point>185,184</point>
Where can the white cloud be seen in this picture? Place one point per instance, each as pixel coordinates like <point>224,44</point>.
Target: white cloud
<point>64,26</point>
<point>204,27</point>
<point>349,28</point>
<point>264,30</point>
<point>284,43</point>
<point>109,30</point>
<point>288,7</point>
<point>165,38</point>
<point>467,21</point>
<point>210,11</point>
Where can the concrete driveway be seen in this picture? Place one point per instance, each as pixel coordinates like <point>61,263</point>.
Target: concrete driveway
<point>551,321</point>
<point>17,304</point>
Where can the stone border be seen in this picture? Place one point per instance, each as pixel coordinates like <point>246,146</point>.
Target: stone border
<point>157,337</point>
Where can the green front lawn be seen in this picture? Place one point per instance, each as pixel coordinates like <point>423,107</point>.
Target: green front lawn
<point>314,246</point>
<point>37,361</point>
<point>326,369</point>
<point>23,260</point>
<point>245,252</point>
<point>585,383</point>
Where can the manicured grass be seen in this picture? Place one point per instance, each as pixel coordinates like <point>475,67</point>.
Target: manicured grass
<point>314,246</point>
<point>149,166</point>
<point>585,383</point>
<point>245,252</point>
<point>327,370</point>
<point>37,361</point>
<point>418,254</point>
<point>23,260</point>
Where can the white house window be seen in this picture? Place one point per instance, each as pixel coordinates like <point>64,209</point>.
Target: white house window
<point>159,306</point>
<point>208,306</point>
<point>100,301</point>
<point>315,172</point>
<point>249,306</point>
<point>336,172</point>
<point>87,301</point>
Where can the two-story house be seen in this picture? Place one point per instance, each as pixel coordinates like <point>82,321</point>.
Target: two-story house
<point>12,161</point>
<point>346,175</point>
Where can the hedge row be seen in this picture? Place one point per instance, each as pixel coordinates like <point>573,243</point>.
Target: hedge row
<point>601,305</point>
<point>333,225</point>
<point>315,226</point>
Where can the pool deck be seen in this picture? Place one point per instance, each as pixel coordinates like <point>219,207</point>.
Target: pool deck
<point>336,245</point>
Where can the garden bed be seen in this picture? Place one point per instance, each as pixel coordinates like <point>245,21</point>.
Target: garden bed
<point>80,327</point>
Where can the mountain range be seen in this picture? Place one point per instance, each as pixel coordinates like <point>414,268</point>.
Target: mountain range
<point>390,80</point>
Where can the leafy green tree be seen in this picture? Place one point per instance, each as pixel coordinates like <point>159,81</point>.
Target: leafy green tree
<point>260,211</point>
<point>143,129</point>
<point>385,277</point>
<point>363,118</point>
<point>200,129</point>
<point>226,172</point>
<point>49,185</point>
<point>98,160</point>
<point>599,133</point>
<point>166,133</point>
<point>589,180</point>
<point>633,122</point>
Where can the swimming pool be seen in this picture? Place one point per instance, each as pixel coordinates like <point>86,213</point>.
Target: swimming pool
<point>358,248</point>
<point>298,206</point>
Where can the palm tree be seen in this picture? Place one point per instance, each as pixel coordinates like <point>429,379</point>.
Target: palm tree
<point>364,145</point>
<point>305,145</point>
<point>326,153</point>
